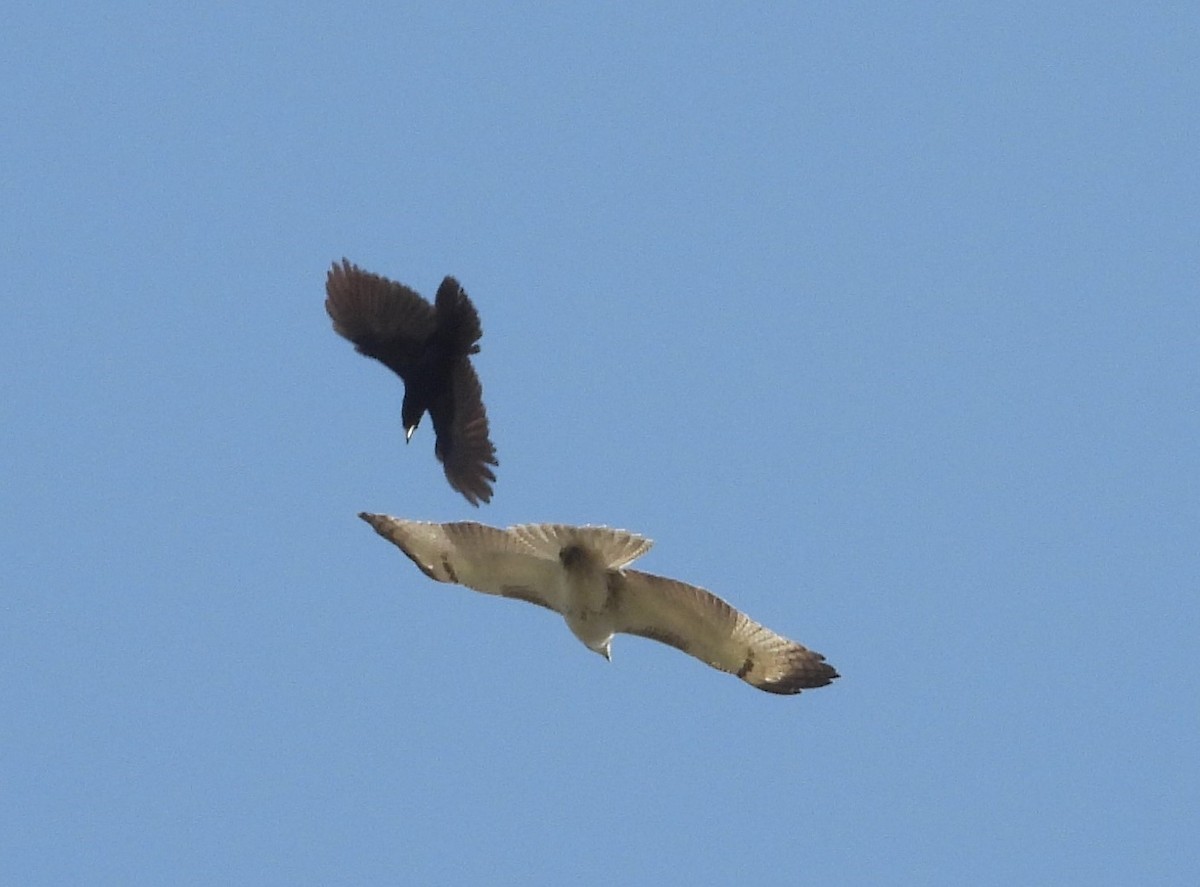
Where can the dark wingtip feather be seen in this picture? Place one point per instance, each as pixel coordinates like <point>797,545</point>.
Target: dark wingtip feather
<point>807,670</point>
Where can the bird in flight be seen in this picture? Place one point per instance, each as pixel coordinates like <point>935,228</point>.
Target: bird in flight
<point>582,573</point>
<point>429,347</point>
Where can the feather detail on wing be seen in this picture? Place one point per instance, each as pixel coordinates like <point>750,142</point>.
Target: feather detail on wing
<point>463,443</point>
<point>480,557</point>
<point>456,312</point>
<point>384,319</point>
<point>613,549</point>
<point>702,625</point>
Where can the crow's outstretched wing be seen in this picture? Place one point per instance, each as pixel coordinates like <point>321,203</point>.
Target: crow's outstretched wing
<point>384,319</point>
<point>463,443</point>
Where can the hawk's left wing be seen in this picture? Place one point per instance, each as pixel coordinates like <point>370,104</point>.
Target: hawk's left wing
<point>700,624</point>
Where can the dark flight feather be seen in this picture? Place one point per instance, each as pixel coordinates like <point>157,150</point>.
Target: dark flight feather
<point>429,347</point>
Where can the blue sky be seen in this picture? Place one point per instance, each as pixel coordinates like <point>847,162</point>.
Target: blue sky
<point>883,323</point>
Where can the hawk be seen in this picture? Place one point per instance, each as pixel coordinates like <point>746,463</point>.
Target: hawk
<point>429,347</point>
<point>582,573</point>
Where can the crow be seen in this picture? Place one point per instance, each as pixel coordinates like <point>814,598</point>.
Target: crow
<point>429,347</point>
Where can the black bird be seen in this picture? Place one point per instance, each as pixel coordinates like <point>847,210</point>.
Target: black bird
<point>429,347</point>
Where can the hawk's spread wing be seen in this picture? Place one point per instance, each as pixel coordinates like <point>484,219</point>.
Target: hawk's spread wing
<point>384,319</point>
<point>484,558</point>
<point>700,624</point>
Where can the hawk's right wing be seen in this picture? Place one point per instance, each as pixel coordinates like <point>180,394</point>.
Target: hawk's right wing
<point>484,558</point>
